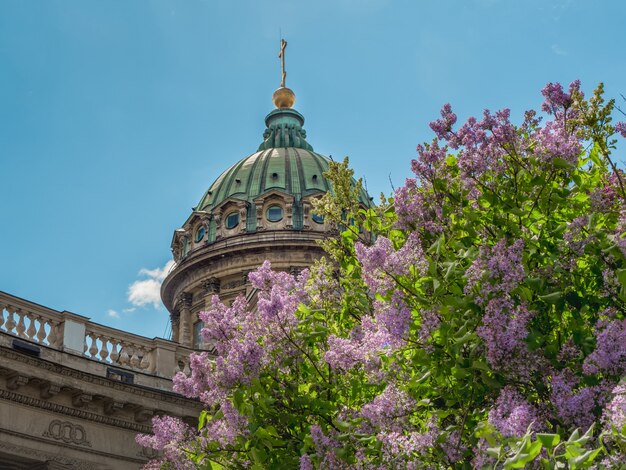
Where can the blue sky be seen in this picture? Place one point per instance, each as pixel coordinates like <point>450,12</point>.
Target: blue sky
<point>115,116</point>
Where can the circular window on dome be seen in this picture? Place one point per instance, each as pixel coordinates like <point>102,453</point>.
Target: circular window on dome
<point>200,233</point>
<point>274,213</point>
<point>232,220</point>
<point>318,219</point>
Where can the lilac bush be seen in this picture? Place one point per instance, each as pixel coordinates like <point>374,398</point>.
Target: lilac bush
<point>477,319</point>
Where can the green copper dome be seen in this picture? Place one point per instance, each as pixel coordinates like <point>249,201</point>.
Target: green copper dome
<point>290,170</point>
<point>284,163</point>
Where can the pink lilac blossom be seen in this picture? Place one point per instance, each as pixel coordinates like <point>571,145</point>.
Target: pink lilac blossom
<point>554,141</point>
<point>610,353</point>
<point>497,270</point>
<point>227,429</point>
<point>169,435</point>
<point>615,410</point>
<point>512,414</point>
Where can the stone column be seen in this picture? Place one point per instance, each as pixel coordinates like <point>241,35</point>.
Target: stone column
<point>175,320</point>
<point>184,309</point>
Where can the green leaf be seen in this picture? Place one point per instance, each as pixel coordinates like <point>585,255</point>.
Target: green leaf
<point>549,440</point>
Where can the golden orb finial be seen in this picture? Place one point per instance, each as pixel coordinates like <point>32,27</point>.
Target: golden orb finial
<point>284,98</point>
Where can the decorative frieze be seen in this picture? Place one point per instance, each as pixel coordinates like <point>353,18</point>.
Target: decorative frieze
<point>67,432</point>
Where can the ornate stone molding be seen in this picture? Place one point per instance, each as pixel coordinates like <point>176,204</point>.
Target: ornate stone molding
<point>211,286</point>
<point>66,410</point>
<point>67,432</point>
<point>16,381</point>
<point>36,363</point>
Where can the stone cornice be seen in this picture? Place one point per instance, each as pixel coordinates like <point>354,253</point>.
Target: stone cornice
<point>77,413</point>
<point>138,390</point>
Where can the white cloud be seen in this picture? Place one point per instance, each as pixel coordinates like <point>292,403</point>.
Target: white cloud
<point>129,310</point>
<point>558,50</point>
<point>112,313</point>
<point>148,291</point>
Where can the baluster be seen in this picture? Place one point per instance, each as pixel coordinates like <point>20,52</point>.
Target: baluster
<point>53,336</point>
<point>31,327</point>
<point>41,333</point>
<point>145,360</point>
<point>115,355</point>
<point>104,352</point>
<point>124,358</point>
<point>152,365</point>
<point>10,324</point>
<point>1,317</point>
<point>134,360</point>
<point>93,350</point>
<point>187,370</point>
<point>21,327</point>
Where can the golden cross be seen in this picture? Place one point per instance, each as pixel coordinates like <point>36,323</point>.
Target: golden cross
<point>281,56</point>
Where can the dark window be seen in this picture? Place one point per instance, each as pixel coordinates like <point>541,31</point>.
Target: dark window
<point>318,218</point>
<point>274,213</point>
<point>200,233</point>
<point>232,220</point>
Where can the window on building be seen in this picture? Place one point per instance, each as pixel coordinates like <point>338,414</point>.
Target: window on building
<point>319,219</point>
<point>232,220</point>
<point>274,213</point>
<point>198,343</point>
<point>200,233</point>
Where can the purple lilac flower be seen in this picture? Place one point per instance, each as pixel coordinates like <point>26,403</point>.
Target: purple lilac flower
<point>576,406</point>
<point>498,270</point>
<point>431,161</point>
<point>227,429</point>
<point>169,435</point>
<point>390,409</point>
<point>443,127</point>
<point>621,128</point>
<point>610,353</point>
<point>416,210</point>
<point>553,141</point>
<point>512,414</point>
<point>503,330</point>
<point>381,262</point>
<point>453,448</point>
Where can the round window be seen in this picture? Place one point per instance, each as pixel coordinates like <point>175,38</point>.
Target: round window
<point>274,213</point>
<point>200,233</point>
<point>319,219</point>
<point>232,220</point>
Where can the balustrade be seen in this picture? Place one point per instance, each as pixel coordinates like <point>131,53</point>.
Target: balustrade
<point>66,331</point>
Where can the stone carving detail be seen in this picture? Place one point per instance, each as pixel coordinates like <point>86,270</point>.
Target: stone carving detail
<point>111,407</point>
<point>81,399</point>
<point>148,453</point>
<point>48,390</point>
<point>211,286</point>
<point>67,432</point>
<point>16,381</point>
<point>142,415</point>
